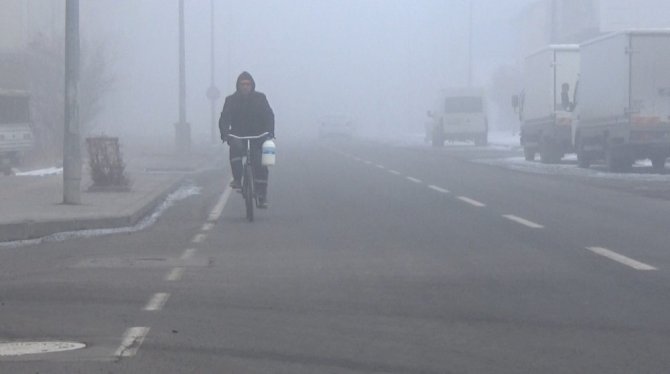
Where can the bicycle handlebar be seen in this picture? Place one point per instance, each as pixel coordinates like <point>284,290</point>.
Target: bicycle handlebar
<point>249,137</point>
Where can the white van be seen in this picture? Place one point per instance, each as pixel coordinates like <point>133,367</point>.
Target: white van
<point>459,115</point>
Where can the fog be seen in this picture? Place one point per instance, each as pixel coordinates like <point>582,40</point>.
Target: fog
<point>379,61</point>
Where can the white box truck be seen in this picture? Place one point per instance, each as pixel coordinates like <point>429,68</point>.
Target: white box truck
<point>624,99</point>
<point>459,115</point>
<point>546,103</point>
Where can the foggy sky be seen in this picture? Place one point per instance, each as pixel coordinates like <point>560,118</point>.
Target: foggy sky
<point>379,61</point>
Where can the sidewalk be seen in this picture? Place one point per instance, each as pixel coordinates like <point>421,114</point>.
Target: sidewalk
<point>30,206</point>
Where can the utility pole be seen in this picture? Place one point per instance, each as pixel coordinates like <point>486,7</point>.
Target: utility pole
<point>553,32</point>
<point>71,137</point>
<point>213,93</point>
<point>183,128</point>
<point>470,44</point>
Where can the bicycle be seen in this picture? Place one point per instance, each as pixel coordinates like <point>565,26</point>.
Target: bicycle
<point>248,187</point>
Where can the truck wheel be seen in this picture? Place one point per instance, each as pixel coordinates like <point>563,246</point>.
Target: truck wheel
<point>549,153</point>
<point>438,137</point>
<point>658,162</point>
<point>481,140</point>
<point>529,153</point>
<point>583,158</point>
<point>438,141</point>
<point>618,160</point>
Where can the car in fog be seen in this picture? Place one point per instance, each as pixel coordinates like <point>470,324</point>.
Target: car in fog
<point>336,126</point>
<point>16,136</point>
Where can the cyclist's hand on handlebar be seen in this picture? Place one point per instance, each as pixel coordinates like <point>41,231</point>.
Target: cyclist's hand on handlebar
<point>224,138</point>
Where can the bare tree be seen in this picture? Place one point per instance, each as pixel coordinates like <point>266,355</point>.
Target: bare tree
<point>46,67</point>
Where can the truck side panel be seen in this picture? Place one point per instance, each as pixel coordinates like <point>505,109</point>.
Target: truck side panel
<point>539,85</point>
<point>650,83</point>
<point>604,84</point>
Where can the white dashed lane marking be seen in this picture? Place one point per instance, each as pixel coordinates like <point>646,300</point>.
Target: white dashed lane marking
<point>438,189</point>
<point>598,250</point>
<point>637,265</point>
<point>157,301</point>
<point>471,201</point>
<point>199,238</point>
<point>131,342</point>
<point>207,226</point>
<point>218,208</point>
<point>174,274</point>
<point>188,253</point>
<point>523,221</point>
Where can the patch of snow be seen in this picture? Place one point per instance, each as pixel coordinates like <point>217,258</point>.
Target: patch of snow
<point>504,138</point>
<point>568,166</point>
<point>40,172</point>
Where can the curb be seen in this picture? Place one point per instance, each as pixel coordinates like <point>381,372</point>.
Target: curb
<point>38,229</point>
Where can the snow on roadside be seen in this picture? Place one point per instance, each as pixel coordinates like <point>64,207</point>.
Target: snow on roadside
<point>569,167</point>
<point>40,172</point>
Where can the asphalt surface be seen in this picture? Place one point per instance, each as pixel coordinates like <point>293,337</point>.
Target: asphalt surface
<point>372,258</point>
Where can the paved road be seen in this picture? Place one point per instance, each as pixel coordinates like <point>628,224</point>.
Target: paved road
<point>372,259</point>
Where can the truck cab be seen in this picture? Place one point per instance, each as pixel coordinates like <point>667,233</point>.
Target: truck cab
<point>546,105</point>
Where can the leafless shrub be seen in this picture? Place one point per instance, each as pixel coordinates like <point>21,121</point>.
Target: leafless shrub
<point>105,163</point>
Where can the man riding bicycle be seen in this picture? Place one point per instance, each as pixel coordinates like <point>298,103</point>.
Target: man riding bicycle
<point>247,113</point>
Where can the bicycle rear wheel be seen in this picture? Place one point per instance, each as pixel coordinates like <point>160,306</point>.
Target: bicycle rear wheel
<point>248,192</point>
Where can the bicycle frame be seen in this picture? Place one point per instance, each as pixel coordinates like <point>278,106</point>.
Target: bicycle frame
<point>248,184</point>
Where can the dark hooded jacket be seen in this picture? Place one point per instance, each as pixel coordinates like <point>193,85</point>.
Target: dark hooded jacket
<point>246,115</point>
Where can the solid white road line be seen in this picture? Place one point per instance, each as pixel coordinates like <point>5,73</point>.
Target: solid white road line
<point>174,274</point>
<point>131,342</point>
<point>199,238</point>
<point>414,179</point>
<point>188,254</point>
<point>637,265</point>
<point>157,301</point>
<point>438,189</point>
<point>471,201</point>
<point>523,221</point>
<point>394,172</point>
<point>218,208</point>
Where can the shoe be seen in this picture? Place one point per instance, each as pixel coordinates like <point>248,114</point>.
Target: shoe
<point>236,184</point>
<point>262,203</point>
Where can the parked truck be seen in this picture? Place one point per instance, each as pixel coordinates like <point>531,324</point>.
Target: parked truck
<point>458,115</point>
<point>624,99</point>
<point>16,136</point>
<point>546,104</point>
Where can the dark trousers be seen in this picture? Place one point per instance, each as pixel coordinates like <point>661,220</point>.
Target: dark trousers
<point>238,149</point>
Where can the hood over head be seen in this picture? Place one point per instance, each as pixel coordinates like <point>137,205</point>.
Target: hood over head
<point>245,76</point>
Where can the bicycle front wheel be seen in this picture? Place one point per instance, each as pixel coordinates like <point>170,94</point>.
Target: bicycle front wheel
<point>248,189</point>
